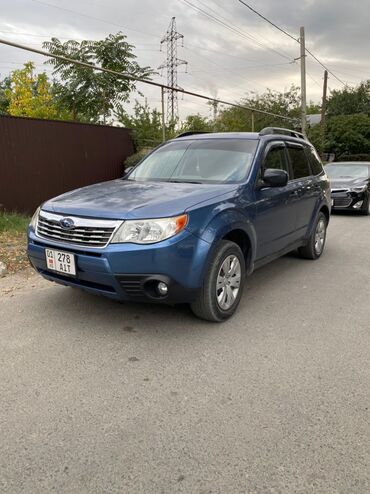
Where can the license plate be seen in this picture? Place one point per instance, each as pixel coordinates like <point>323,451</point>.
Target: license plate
<point>61,262</point>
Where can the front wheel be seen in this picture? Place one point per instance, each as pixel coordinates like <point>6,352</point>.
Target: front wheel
<point>223,284</point>
<point>316,243</point>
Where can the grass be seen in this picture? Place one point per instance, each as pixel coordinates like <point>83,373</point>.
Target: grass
<point>13,222</point>
<point>13,227</point>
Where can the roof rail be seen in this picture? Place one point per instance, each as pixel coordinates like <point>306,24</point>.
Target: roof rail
<point>192,132</point>
<point>278,130</point>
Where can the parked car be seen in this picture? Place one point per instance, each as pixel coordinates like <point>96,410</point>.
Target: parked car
<point>189,222</point>
<point>350,185</point>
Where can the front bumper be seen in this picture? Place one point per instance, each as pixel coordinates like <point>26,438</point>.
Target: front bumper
<point>129,271</point>
<point>348,200</point>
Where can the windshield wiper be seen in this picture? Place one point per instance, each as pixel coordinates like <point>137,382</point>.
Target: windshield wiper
<point>173,180</point>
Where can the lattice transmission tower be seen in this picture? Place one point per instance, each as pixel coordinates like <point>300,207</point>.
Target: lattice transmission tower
<point>172,62</point>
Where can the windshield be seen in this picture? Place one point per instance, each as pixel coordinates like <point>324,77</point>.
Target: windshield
<point>347,171</point>
<point>198,161</point>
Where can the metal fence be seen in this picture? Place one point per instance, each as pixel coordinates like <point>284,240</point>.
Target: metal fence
<point>40,159</point>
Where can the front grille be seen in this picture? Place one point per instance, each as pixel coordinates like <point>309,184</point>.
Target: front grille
<point>342,202</point>
<point>85,232</point>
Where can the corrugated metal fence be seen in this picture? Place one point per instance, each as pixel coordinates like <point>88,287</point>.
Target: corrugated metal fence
<point>40,159</point>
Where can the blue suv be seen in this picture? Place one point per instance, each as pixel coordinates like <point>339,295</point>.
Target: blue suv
<point>189,222</point>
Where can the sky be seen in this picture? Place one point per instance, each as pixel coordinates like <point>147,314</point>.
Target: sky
<point>222,63</point>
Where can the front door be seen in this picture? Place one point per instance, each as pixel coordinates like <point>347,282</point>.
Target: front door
<point>275,207</point>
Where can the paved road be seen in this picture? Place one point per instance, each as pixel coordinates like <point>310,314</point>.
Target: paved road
<point>98,397</point>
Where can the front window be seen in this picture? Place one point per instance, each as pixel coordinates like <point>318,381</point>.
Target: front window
<point>347,171</point>
<point>198,161</point>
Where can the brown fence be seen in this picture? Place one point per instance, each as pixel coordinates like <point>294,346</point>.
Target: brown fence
<point>40,159</point>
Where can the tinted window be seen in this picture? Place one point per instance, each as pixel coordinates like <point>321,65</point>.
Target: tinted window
<point>276,159</point>
<point>299,162</point>
<point>198,160</point>
<point>315,163</point>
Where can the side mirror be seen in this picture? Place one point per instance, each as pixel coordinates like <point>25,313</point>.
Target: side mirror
<point>275,178</point>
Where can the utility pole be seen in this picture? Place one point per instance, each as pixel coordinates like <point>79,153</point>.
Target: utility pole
<point>303,80</point>
<point>162,116</point>
<point>323,112</point>
<point>172,62</point>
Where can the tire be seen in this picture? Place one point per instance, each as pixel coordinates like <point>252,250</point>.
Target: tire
<point>365,210</point>
<point>221,285</point>
<point>316,243</point>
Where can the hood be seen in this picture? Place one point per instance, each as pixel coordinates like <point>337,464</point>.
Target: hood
<point>124,199</point>
<point>347,183</point>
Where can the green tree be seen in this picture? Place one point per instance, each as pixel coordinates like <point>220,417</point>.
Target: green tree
<point>286,104</point>
<point>350,101</point>
<point>196,123</point>
<point>348,134</point>
<point>93,95</point>
<point>5,85</point>
<point>30,95</point>
<point>146,124</point>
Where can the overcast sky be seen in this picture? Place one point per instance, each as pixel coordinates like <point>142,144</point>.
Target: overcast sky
<point>220,62</point>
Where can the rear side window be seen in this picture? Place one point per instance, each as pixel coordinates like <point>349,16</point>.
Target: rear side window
<point>299,162</point>
<point>314,161</point>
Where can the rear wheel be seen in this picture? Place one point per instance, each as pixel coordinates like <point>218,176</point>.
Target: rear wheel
<point>223,284</point>
<point>316,243</point>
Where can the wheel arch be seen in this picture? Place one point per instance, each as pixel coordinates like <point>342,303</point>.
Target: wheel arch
<point>241,238</point>
<point>233,225</point>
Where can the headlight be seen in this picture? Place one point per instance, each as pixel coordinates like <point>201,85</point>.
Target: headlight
<point>149,231</point>
<point>361,188</point>
<point>34,218</point>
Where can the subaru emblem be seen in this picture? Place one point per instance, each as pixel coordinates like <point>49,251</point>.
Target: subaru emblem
<point>66,223</point>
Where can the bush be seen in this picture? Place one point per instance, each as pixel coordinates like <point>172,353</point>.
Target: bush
<point>136,157</point>
<point>354,157</point>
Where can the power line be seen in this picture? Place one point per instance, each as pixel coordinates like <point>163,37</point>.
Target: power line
<point>234,30</point>
<point>270,22</point>
<point>93,18</point>
<point>152,45</point>
<point>292,37</point>
<point>144,81</point>
<point>253,37</point>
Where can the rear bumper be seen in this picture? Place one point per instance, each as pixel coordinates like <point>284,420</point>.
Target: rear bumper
<point>131,272</point>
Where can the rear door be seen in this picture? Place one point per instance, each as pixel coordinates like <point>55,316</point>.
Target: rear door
<point>275,220</point>
<point>307,192</point>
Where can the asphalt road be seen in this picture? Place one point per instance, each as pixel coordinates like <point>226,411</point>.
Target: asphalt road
<point>99,397</point>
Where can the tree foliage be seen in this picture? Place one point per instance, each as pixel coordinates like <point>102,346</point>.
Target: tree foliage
<point>239,119</point>
<point>350,101</point>
<point>30,95</point>
<point>92,95</point>
<point>5,85</point>
<point>146,124</point>
<point>196,123</point>
<point>348,134</point>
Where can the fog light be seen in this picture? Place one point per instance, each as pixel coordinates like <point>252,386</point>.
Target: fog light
<point>358,205</point>
<point>162,288</point>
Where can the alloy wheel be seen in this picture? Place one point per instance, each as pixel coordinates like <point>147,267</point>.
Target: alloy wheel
<point>320,235</point>
<point>228,282</point>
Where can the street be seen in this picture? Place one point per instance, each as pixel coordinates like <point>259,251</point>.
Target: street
<point>101,397</point>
